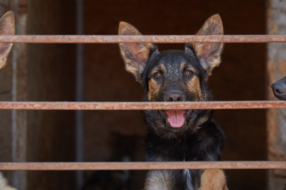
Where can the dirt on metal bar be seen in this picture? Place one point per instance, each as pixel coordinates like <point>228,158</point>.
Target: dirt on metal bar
<point>142,165</point>
<point>142,105</point>
<point>143,38</point>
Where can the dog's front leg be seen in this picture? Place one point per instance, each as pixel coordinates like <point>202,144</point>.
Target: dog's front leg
<point>213,179</point>
<point>158,180</point>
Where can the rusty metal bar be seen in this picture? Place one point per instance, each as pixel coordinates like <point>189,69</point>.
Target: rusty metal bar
<point>142,165</point>
<point>141,105</point>
<point>146,38</point>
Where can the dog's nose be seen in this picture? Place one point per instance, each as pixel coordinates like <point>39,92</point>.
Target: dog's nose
<point>279,90</point>
<point>174,96</point>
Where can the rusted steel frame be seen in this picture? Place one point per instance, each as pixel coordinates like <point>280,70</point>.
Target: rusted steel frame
<point>146,38</point>
<point>141,165</point>
<point>141,105</point>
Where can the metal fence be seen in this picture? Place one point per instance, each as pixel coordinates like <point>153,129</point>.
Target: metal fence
<point>142,105</point>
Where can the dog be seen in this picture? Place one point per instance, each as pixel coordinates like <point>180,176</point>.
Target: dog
<point>279,89</point>
<point>7,27</point>
<point>178,135</point>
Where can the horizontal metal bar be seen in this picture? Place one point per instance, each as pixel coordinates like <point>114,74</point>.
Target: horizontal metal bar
<point>142,165</point>
<point>146,38</point>
<point>142,105</point>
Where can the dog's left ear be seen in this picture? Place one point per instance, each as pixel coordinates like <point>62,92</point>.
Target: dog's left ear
<point>209,53</point>
<point>135,55</point>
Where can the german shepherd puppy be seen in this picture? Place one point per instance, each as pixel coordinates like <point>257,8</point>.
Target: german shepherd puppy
<point>279,89</point>
<point>178,135</point>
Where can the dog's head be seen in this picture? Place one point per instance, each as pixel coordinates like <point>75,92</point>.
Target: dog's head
<point>279,89</point>
<point>7,27</point>
<point>174,75</point>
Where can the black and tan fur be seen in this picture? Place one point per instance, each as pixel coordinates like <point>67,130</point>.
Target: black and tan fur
<point>178,75</point>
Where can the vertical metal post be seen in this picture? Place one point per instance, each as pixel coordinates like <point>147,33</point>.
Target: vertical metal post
<point>19,93</point>
<point>79,91</point>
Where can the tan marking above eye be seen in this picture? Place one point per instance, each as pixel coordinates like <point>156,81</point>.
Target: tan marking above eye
<point>183,65</point>
<point>162,68</point>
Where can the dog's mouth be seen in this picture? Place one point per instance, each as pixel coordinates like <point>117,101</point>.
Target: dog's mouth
<point>175,118</point>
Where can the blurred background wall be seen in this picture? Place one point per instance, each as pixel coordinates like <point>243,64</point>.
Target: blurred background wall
<point>117,135</point>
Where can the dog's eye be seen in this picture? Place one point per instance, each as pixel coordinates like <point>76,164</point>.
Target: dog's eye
<point>158,75</point>
<point>188,73</point>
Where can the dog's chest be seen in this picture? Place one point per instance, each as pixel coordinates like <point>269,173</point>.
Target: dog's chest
<point>174,152</point>
<point>174,179</point>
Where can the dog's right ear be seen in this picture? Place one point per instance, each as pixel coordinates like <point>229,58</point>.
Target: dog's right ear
<point>209,53</point>
<point>7,27</point>
<point>135,55</point>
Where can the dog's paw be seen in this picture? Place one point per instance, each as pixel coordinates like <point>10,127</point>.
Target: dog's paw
<point>213,179</point>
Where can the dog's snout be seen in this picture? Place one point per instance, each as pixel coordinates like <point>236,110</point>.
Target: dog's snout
<point>174,96</point>
<point>279,90</point>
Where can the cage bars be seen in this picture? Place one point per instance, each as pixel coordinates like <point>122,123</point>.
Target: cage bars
<point>142,105</point>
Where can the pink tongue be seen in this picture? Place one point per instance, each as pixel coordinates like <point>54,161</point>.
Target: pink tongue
<point>176,118</point>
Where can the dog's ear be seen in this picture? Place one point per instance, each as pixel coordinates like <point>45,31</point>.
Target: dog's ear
<point>135,55</point>
<point>209,53</point>
<point>7,27</point>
